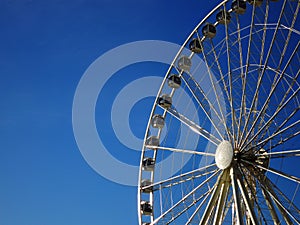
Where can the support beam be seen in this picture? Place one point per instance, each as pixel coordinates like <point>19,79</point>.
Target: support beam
<point>271,207</point>
<point>222,200</point>
<point>215,196</point>
<point>236,196</point>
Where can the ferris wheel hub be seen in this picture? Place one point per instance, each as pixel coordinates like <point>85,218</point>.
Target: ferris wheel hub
<point>224,155</point>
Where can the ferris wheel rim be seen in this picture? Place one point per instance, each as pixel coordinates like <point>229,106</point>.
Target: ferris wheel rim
<point>231,173</point>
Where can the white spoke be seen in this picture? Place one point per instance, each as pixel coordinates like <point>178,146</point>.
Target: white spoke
<point>184,198</point>
<point>283,199</point>
<point>201,103</point>
<point>281,60</point>
<point>282,124</point>
<point>294,134</point>
<point>283,210</point>
<point>180,150</point>
<point>243,75</point>
<point>270,188</point>
<point>194,127</point>
<point>271,119</point>
<point>291,30</point>
<point>274,86</point>
<point>279,173</point>
<point>221,73</point>
<point>212,80</point>
<point>194,174</point>
<point>252,190</point>
<point>232,110</point>
<point>259,82</point>
<point>199,206</point>
<point>281,154</point>
<point>204,196</point>
<point>280,129</point>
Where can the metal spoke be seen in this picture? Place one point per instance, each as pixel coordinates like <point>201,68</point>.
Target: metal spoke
<point>267,187</point>
<point>264,34</point>
<point>282,140</point>
<point>288,118</point>
<point>219,66</point>
<point>289,204</point>
<point>274,171</point>
<point>242,74</point>
<point>280,132</point>
<point>270,188</point>
<point>185,177</point>
<point>284,211</point>
<point>211,105</point>
<point>222,119</point>
<point>267,101</point>
<point>194,127</point>
<point>271,119</point>
<point>282,57</point>
<point>229,204</point>
<point>281,154</point>
<point>253,195</point>
<point>199,206</point>
<point>271,207</point>
<point>232,110</point>
<point>184,198</point>
<point>282,174</point>
<point>204,196</point>
<point>222,78</point>
<point>276,81</point>
<point>291,30</point>
<point>180,150</point>
<point>259,82</point>
<point>279,128</point>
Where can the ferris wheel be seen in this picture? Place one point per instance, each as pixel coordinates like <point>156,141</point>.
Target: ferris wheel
<point>222,145</point>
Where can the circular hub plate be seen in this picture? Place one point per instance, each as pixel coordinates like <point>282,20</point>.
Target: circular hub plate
<point>224,155</point>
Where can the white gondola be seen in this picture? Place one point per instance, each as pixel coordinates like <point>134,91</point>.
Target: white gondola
<point>209,30</point>
<point>148,164</point>
<point>146,186</point>
<point>152,141</point>
<point>146,208</point>
<point>223,17</point>
<point>158,121</point>
<point>238,6</point>
<point>165,101</point>
<point>195,46</point>
<point>174,81</point>
<point>184,63</point>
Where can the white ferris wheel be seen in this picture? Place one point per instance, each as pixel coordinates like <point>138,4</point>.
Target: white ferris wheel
<point>222,145</point>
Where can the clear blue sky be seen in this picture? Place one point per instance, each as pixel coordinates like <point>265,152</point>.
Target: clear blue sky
<point>45,47</point>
